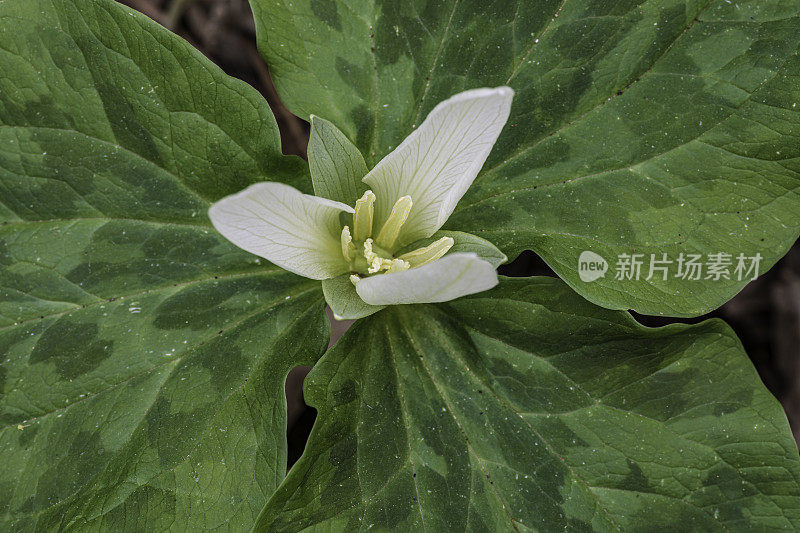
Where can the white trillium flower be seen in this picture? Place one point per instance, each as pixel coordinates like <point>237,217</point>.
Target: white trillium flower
<point>412,192</point>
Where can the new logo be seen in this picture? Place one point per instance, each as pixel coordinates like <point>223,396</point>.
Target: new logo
<point>591,266</point>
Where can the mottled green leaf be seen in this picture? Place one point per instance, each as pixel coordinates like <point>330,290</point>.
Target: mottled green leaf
<point>144,356</point>
<point>336,165</point>
<point>638,126</point>
<point>527,407</point>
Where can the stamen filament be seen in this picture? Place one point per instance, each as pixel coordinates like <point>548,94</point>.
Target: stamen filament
<point>391,229</point>
<point>428,254</point>
<point>362,218</point>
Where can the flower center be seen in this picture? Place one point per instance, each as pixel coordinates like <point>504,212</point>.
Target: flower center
<point>367,256</point>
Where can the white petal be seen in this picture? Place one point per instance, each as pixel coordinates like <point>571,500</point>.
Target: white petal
<point>437,163</point>
<point>296,231</point>
<point>450,277</point>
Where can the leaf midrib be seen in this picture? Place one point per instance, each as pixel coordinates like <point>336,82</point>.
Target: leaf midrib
<point>407,425</point>
<point>178,357</point>
<point>410,338</point>
<point>102,300</point>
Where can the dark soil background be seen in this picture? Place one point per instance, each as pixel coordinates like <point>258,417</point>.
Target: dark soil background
<point>765,315</point>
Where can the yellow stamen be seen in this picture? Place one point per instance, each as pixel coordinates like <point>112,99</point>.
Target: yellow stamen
<point>373,260</point>
<point>362,218</point>
<point>354,279</point>
<point>398,265</point>
<point>391,229</point>
<point>428,254</point>
<point>368,253</point>
<point>348,248</point>
<point>376,266</point>
<point>376,263</point>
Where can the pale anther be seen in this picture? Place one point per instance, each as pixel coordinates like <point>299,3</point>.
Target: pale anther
<point>348,248</point>
<point>362,218</point>
<point>391,228</point>
<point>354,279</point>
<point>428,254</point>
<point>398,265</point>
<point>376,262</point>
